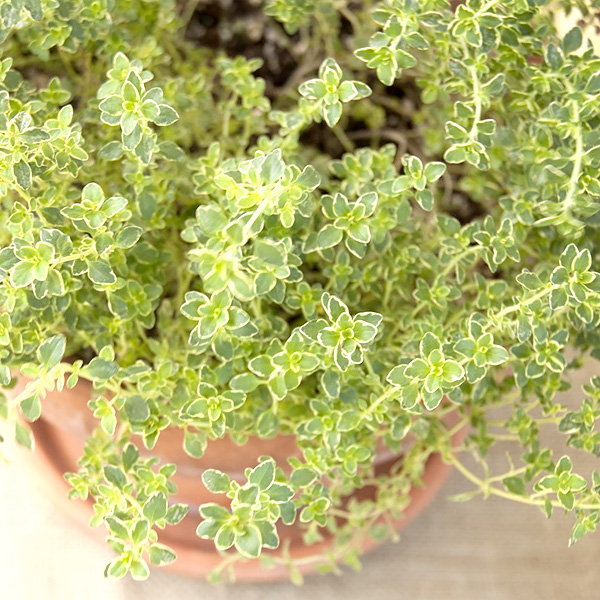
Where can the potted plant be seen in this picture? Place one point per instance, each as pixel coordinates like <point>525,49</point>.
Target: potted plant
<point>262,266</point>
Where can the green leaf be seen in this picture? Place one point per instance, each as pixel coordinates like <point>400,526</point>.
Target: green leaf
<point>155,507</point>
<point>249,542</point>
<point>117,568</point>
<point>214,511</point>
<point>111,151</point>
<point>194,443</point>
<point>128,236</point>
<point>433,171</point>
<point>583,261</point>
<point>268,534</point>
<point>113,205</point>
<point>549,482</point>
<point>313,89</point>
<point>171,151</point>
<point>429,343</point>
<point>416,368</point>
<point>564,465</point>
<point>347,91</point>
<point>99,369</point>
<point>248,494</point>
<point>115,476</point>
<point>108,423</point>
<point>34,136</point>
<point>51,351</point>
<point>101,273</point>
<point>567,499</point>
<point>360,232</point>
<point>130,456</point>
<point>139,570</point>
<point>558,298</point>
<point>117,528</point>
<point>167,116</point>
<point>272,167</point>
<point>516,485</point>
<point>432,400</point>
<point>547,507</point>
<point>577,483</point>
<point>145,148</point>
<point>455,154</point>
<point>425,199</point>
<point>329,337</point>
<point>246,382</point>
<point>93,193</point>
<point>349,420</point>
<point>530,281</point>
<point>329,237</point>
<point>593,85</point>
<point>263,475</point>
<point>24,436</point>
<point>224,538</point>
<point>332,113</point>
<point>302,477</point>
<point>553,57</point>
<point>130,92</point>
<point>129,122</point>
<point>215,481</point>
<point>386,73</point>
<point>34,7</point>
<point>131,140</point>
<point>161,555</point>
<point>112,105</point>
<point>452,371</point>
<point>22,173</point>
<point>396,376</point>
<point>23,274</point>
<point>176,513</point>
<point>497,355</point>
<point>31,407</point>
<point>137,409</point>
<point>140,532</point>
<point>572,41</point>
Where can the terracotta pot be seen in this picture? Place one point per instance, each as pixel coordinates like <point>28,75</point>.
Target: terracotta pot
<point>67,421</point>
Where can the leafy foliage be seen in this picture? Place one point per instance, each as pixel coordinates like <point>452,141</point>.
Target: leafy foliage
<point>394,227</point>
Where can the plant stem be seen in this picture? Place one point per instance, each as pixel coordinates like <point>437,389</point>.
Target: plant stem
<point>487,489</point>
<point>577,163</point>
<point>515,307</point>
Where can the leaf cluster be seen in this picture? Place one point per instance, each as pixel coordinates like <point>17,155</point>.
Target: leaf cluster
<point>368,250</point>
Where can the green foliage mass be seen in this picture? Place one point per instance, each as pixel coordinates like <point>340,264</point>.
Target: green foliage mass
<point>393,227</point>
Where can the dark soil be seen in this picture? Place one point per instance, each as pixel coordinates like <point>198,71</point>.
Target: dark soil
<point>240,27</point>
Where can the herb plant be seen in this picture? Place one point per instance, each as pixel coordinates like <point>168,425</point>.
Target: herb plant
<point>339,219</point>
